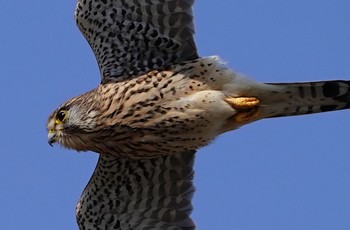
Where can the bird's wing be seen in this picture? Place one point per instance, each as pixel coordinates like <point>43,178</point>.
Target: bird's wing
<point>139,194</point>
<point>131,37</point>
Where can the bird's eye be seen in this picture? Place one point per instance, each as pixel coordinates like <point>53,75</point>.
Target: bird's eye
<point>61,116</point>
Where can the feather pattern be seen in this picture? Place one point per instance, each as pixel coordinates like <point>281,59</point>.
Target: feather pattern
<point>131,37</point>
<point>139,194</point>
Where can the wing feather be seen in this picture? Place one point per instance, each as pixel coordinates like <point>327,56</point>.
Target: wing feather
<point>132,37</point>
<point>139,194</point>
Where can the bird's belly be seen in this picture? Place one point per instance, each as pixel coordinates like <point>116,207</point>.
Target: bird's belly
<point>175,126</point>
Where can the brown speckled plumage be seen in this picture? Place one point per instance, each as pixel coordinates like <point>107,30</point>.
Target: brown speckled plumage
<point>157,103</point>
<point>143,194</point>
<point>131,37</point>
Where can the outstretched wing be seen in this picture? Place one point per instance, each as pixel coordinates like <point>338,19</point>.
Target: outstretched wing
<point>131,37</point>
<point>139,194</point>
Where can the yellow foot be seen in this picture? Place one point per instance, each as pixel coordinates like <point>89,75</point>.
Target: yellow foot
<point>242,103</point>
<point>247,116</point>
<point>246,107</point>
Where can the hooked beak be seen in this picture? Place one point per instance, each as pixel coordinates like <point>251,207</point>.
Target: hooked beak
<point>51,137</point>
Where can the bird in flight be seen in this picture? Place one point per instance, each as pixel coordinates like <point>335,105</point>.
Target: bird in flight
<point>157,103</point>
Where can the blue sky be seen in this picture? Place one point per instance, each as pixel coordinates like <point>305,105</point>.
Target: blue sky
<point>288,173</point>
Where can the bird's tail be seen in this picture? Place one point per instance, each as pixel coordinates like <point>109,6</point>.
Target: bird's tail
<point>288,99</point>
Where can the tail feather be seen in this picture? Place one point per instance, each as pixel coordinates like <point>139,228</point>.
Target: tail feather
<point>288,99</point>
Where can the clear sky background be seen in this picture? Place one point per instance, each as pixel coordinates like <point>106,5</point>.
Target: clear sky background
<point>287,173</point>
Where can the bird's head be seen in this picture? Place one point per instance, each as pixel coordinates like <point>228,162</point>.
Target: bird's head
<point>71,124</point>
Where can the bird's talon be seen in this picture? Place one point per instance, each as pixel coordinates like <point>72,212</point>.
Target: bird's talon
<point>242,103</point>
<point>247,108</point>
<point>247,116</point>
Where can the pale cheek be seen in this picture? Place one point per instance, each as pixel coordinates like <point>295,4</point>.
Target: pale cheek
<point>59,128</point>
<point>66,142</point>
<point>77,143</point>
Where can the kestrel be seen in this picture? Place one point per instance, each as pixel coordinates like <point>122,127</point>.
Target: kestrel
<point>158,102</point>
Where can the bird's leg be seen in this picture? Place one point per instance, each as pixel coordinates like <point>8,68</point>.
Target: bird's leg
<point>242,103</point>
<point>247,108</point>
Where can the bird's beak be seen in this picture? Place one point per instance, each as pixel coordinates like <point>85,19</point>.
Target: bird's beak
<point>51,137</point>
